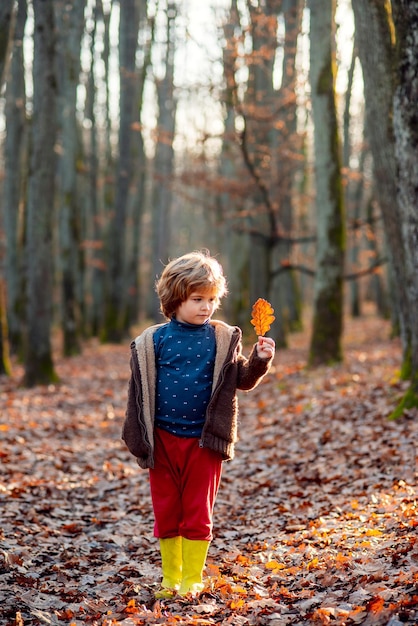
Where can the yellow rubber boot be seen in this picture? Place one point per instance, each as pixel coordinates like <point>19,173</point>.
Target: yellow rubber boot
<point>171,562</point>
<point>194,559</point>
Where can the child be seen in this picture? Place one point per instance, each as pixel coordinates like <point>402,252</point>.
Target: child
<point>181,417</point>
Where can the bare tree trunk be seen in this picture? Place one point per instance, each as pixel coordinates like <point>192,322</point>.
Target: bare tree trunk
<point>377,288</point>
<point>6,13</point>
<point>328,298</point>
<point>353,194</point>
<point>406,135</point>
<point>99,156</point>
<point>258,107</point>
<point>70,25</point>
<point>116,322</point>
<point>138,197</point>
<point>164,157</point>
<point>377,56</point>
<point>234,243</point>
<point>14,181</point>
<point>94,282</point>
<point>284,289</point>
<point>38,358</point>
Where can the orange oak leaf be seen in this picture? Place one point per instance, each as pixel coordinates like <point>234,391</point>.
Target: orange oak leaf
<point>262,316</point>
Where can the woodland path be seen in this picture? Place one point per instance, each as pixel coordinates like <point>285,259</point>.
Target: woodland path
<point>316,520</point>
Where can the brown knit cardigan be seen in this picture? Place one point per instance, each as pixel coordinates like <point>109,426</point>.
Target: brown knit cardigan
<point>232,371</point>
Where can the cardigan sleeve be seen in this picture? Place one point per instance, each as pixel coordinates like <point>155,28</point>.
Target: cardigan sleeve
<point>133,431</point>
<point>251,370</point>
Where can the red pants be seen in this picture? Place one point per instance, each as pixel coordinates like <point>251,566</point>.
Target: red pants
<point>184,484</point>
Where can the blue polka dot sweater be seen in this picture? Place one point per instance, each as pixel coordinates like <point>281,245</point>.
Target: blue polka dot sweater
<point>231,371</point>
<point>185,358</point>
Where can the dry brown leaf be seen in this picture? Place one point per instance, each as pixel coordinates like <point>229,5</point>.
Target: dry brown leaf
<point>262,316</point>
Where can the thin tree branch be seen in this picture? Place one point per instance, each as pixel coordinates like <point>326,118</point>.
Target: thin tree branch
<point>311,272</point>
<point>277,238</point>
<point>368,270</point>
<point>291,267</point>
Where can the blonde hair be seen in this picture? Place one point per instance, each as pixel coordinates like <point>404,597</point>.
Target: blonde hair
<point>195,271</point>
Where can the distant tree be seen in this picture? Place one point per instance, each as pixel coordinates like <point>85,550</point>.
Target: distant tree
<point>269,146</point>
<point>70,26</point>
<point>234,243</point>
<point>94,211</point>
<point>98,199</point>
<point>15,168</point>
<point>328,297</point>
<point>38,361</point>
<point>164,156</point>
<point>406,136</point>
<point>116,322</point>
<point>6,12</point>
<point>353,193</point>
<point>140,176</point>
<point>262,220</point>
<point>286,152</point>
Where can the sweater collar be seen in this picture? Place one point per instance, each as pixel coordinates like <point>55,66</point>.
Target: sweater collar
<point>189,327</point>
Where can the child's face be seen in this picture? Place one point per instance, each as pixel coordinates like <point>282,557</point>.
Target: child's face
<point>198,308</point>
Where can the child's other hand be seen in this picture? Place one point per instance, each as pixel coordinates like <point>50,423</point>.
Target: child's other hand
<point>265,347</point>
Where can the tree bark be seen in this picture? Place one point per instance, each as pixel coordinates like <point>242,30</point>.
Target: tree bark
<point>6,13</point>
<point>259,117</point>
<point>234,244</point>
<point>39,368</point>
<point>101,173</point>
<point>286,146</point>
<point>15,166</point>
<point>95,280</point>
<point>70,26</point>
<point>116,322</point>
<point>376,48</point>
<point>325,344</point>
<point>164,158</point>
<point>406,138</point>
<point>138,199</point>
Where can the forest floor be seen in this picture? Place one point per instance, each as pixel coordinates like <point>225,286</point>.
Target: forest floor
<point>315,523</point>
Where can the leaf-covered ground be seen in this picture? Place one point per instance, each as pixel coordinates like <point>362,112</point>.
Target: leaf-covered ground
<point>316,520</point>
